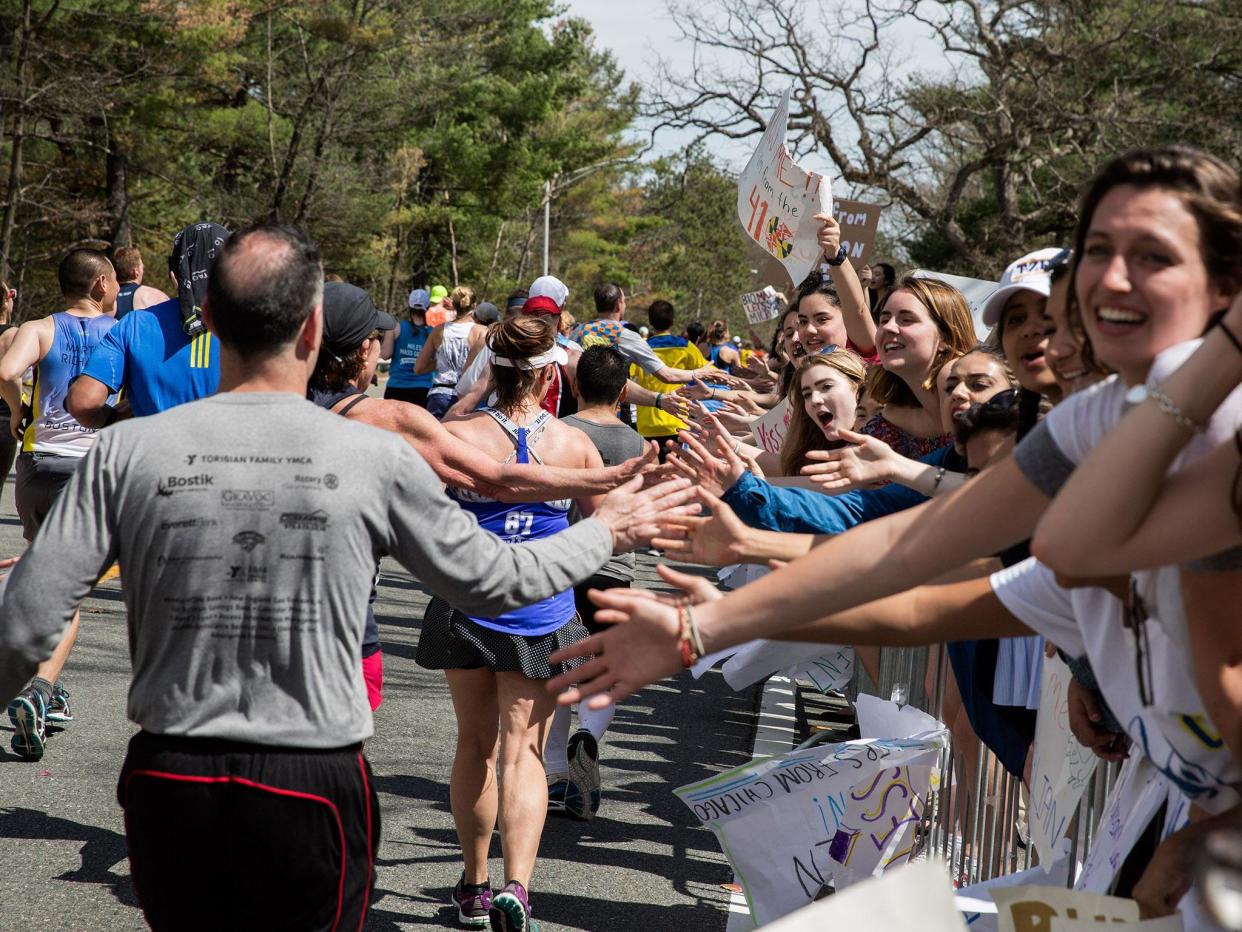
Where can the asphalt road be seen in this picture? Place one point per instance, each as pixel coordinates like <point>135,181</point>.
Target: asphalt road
<point>643,863</point>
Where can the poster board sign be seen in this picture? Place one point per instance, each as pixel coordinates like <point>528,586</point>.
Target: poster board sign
<point>914,898</point>
<point>1033,909</point>
<point>761,305</point>
<point>823,817</point>
<point>1137,795</point>
<point>1061,768</point>
<point>976,291</point>
<point>769,430</point>
<point>777,200</point>
<point>859,224</point>
<point>1164,924</point>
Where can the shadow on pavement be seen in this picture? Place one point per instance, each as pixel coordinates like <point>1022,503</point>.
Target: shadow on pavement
<point>102,850</point>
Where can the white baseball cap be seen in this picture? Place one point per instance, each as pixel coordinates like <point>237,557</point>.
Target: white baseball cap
<point>421,298</point>
<point>1030,273</point>
<point>547,295</point>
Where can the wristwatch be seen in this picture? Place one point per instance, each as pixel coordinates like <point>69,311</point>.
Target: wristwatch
<point>842,255</point>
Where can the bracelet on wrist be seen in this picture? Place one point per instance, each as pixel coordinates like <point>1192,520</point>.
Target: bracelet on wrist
<point>1169,407</point>
<point>688,637</point>
<point>659,398</point>
<point>939,478</point>
<point>839,258</point>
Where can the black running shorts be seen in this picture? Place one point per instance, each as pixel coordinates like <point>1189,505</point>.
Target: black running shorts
<point>40,477</point>
<point>226,835</point>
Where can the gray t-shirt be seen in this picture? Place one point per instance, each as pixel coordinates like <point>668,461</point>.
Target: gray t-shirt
<point>616,443</point>
<point>248,526</point>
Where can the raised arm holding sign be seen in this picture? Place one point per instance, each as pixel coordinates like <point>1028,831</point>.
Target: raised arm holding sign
<point>777,201</point>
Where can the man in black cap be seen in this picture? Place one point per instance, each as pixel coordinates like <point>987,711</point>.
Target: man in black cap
<point>164,357</point>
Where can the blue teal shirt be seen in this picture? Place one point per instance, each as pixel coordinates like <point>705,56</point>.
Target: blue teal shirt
<point>158,365</point>
<point>802,511</point>
<point>405,350</point>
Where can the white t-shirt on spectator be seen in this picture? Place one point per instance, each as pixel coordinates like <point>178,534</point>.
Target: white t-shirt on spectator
<point>1173,730</point>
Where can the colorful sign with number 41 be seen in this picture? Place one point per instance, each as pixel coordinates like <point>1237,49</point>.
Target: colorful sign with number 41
<point>777,201</point>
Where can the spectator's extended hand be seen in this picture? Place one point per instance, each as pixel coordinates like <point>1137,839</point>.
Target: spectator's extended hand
<point>635,515</point>
<point>639,647</point>
<point>714,541</point>
<point>636,466</point>
<point>866,462</point>
<point>1084,721</point>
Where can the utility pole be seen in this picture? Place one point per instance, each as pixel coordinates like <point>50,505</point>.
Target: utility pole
<point>547,220</point>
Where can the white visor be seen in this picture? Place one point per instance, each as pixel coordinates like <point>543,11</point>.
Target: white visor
<point>556,354</point>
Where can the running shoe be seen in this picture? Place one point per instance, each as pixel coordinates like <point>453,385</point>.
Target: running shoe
<point>556,795</point>
<point>582,795</point>
<point>511,910</point>
<point>28,715</point>
<point>473,902</point>
<point>58,710</point>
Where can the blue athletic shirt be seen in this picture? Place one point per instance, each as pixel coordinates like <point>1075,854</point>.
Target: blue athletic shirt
<point>405,349</point>
<point>52,429</point>
<point>516,524</point>
<point>159,366</point>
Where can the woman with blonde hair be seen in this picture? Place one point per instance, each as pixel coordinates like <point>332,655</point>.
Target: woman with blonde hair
<point>822,400</point>
<point>448,348</point>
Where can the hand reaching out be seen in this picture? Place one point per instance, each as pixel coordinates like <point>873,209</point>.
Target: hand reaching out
<point>634,515</point>
<point>715,541</point>
<point>866,462</point>
<point>639,647</point>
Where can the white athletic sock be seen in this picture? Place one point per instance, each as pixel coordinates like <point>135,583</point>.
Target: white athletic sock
<point>596,721</point>
<point>556,749</point>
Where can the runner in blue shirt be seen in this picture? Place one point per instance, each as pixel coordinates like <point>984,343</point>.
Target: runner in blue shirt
<point>162,358</point>
<point>406,344</point>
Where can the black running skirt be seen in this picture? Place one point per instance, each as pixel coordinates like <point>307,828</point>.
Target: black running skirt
<point>451,641</point>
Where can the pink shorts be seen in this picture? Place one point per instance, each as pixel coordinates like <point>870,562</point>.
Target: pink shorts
<point>373,676</point>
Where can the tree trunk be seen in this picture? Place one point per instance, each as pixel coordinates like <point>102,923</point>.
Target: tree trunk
<point>19,138</point>
<point>117,180</point>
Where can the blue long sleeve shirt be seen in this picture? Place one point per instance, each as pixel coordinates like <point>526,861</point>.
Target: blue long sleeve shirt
<point>802,511</point>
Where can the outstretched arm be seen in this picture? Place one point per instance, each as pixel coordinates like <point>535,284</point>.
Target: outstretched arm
<point>461,465</point>
<point>642,644</point>
<point>891,554</point>
<point>1138,518</point>
<point>426,361</point>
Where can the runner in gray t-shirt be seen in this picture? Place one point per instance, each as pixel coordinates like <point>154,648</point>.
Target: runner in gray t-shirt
<point>249,523</point>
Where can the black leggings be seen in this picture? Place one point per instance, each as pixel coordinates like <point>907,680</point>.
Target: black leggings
<point>8,451</point>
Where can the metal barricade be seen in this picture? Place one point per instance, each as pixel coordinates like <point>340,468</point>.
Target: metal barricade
<point>976,822</point>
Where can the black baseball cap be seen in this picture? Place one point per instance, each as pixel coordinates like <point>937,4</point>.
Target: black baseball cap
<point>349,317</point>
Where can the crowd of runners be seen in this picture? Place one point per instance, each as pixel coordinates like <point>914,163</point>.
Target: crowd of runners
<point>1066,482</point>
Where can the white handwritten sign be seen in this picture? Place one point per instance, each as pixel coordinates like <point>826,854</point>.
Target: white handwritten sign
<point>761,305</point>
<point>777,201</point>
<point>769,430</point>
<point>914,898</point>
<point>1137,795</point>
<point>1061,768</point>
<point>1032,909</point>
<point>828,816</point>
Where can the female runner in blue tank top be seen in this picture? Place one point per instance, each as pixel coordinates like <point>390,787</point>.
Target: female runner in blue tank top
<point>497,667</point>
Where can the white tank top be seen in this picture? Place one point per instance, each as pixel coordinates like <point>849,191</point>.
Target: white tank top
<point>451,354</point>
